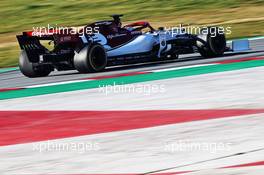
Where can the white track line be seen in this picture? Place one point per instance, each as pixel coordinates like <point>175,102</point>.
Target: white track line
<point>232,89</point>
<point>183,67</point>
<point>58,83</point>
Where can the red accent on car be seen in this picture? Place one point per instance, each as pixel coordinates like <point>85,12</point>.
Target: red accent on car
<point>45,32</point>
<point>139,23</point>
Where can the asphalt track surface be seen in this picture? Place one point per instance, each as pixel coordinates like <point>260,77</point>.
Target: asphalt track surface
<point>208,91</point>
<point>14,79</point>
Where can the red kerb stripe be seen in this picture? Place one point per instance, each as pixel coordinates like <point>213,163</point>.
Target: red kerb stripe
<point>25,126</point>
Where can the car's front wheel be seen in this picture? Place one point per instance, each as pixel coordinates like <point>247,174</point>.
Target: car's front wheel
<point>215,43</point>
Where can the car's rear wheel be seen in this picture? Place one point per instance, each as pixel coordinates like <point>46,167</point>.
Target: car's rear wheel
<point>172,56</point>
<point>91,59</point>
<point>215,43</point>
<point>28,69</point>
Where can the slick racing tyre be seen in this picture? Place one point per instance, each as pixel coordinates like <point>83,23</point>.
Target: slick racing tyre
<point>215,43</point>
<point>28,69</point>
<point>90,59</point>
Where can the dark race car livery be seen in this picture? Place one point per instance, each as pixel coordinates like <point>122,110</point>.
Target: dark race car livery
<point>110,44</point>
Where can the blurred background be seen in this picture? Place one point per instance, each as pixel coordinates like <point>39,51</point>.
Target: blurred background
<point>246,17</point>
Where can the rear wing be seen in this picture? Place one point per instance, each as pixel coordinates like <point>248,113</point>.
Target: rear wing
<point>31,40</point>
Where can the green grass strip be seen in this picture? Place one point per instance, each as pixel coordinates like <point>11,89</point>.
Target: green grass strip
<point>129,79</point>
<point>3,70</point>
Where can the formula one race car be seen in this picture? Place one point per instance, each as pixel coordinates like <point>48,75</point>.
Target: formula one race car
<point>108,44</point>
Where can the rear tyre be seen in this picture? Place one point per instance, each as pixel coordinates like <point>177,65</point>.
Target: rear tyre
<point>172,56</point>
<point>28,69</point>
<point>91,59</point>
<point>215,44</point>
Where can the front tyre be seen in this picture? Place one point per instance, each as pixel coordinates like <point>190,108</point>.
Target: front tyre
<point>28,69</point>
<point>215,43</point>
<point>91,59</point>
